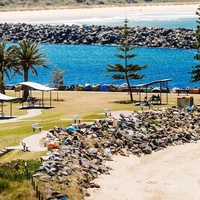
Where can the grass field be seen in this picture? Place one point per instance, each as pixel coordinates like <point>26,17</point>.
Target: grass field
<point>65,104</point>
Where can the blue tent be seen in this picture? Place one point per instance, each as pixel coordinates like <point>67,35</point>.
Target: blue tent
<point>104,87</point>
<point>88,87</point>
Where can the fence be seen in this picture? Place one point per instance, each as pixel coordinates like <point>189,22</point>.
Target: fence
<point>37,191</point>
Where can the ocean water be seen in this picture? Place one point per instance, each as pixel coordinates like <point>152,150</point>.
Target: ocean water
<point>167,20</point>
<point>85,63</point>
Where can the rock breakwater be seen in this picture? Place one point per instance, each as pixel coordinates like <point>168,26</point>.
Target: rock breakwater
<point>98,35</point>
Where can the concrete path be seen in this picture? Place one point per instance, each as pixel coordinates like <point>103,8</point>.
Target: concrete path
<point>33,142</point>
<point>30,113</point>
<point>116,114</point>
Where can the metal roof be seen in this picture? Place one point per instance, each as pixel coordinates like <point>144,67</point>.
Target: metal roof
<point>154,82</point>
<point>37,86</point>
<point>3,97</point>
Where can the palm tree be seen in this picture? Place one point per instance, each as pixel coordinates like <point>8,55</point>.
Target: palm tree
<point>26,57</point>
<point>5,62</point>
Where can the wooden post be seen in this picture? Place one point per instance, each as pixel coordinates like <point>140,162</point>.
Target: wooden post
<point>36,187</point>
<point>33,184</point>
<point>39,195</point>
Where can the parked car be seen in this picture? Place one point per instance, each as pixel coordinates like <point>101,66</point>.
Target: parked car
<point>10,87</point>
<point>158,89</point>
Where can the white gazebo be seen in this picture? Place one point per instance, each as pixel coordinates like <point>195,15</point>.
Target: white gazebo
<point>37,86</point>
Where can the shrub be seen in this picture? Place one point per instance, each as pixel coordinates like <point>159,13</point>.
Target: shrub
<point>4,185</point>
<point>15,170</point>
<point>101,2</point>
<point>2,4</point>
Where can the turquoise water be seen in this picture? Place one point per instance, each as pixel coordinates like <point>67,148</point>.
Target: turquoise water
<point>170,20</point>
<point>84,64</point>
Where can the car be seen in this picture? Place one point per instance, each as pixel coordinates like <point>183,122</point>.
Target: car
<point>10,87</point>
<point>158,89</point>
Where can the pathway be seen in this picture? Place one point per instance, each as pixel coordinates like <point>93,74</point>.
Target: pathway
<point>34,141</point>
<point>30,113</point>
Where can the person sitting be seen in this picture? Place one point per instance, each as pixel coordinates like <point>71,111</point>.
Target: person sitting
<point>158,97</point>
<point>153,97</point>
<point>29,101</point>
<point>146,102</point>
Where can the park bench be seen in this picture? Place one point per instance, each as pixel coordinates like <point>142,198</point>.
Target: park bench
<point>144,105</point>
<point>76,119</point>
<point>39,102</point>
<point>36,126</point>
<point>107,111</point>
<point>155,100</point>
<point>25,147</point>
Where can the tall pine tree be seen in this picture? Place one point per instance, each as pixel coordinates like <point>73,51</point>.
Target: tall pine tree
<point>196,69</point>
<point>126,71</point>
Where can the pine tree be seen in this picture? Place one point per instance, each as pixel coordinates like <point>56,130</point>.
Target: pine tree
<point>196,69</point>
<point>127,71</point>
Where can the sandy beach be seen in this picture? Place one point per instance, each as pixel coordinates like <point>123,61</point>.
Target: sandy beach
<point>172,173</point>
<point>105,12</point>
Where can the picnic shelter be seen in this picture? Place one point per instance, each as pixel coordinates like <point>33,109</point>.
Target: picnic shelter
<point>148,89</point>
<point>5,98</point>
<point>42,88</point>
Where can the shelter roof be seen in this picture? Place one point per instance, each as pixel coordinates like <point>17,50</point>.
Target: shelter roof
<point>154,82</point>
<point>4,97</point>
<point>37,86</point>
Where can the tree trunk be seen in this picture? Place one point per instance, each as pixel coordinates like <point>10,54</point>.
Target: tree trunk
<point>130,92</point>
<point>127,80</point>
<point>26,88</point>
<point>2,89</point>
<point>129,89</point>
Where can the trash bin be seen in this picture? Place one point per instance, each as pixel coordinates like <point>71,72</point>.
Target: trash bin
<point>189,101</point>
<point>180,102</point>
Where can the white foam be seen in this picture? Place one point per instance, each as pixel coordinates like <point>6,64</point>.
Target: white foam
<point>115,20</point>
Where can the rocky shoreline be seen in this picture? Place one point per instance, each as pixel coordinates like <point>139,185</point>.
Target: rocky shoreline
<point>83,148</point>
<point>97,35</point>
